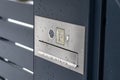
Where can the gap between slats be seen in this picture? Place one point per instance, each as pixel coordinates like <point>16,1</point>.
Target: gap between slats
<point>16,66</point>
<point>24,2</point>
<point>24,24</point>
<point>18,44</point>
<point>21,25</point>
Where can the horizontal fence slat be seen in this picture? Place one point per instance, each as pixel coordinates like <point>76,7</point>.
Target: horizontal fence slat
<point>16,54</point>
<point>11,73</point>
<point>18,11</point>
<point>16,33</point>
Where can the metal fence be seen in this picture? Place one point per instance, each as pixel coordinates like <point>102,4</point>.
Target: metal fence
<point>16,40</point>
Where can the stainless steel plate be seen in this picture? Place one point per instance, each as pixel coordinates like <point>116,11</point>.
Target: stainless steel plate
<point>60,42</point>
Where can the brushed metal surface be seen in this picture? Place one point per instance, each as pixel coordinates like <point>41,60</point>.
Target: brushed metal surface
<point>64,45</point>
<point>57,54</point>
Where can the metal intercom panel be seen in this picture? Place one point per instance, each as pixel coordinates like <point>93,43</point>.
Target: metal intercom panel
<point>60,42</point>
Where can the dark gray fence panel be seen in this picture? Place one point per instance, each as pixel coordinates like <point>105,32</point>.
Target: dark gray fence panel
<point>18,11</point>
<point>16,33</point>
<point>16,54</point>
<point>11,73</point>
